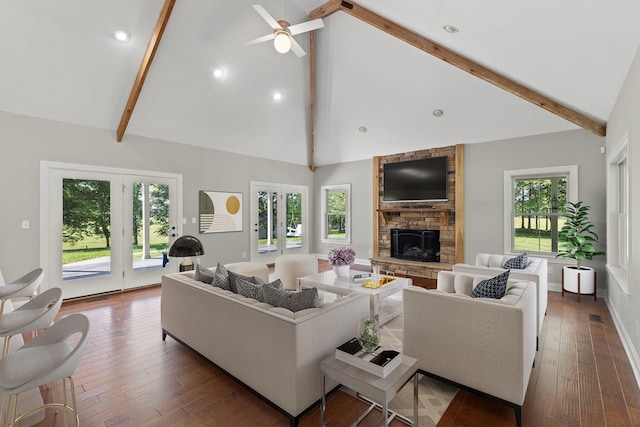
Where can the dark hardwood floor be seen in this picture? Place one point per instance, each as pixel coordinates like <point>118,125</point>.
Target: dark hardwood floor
<point>130,377</point>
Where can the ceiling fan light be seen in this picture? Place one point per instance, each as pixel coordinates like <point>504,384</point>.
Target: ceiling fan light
<point>281,41</point>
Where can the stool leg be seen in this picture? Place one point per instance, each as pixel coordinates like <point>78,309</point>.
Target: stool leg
<point>5,348</point>
<point>12,407</point>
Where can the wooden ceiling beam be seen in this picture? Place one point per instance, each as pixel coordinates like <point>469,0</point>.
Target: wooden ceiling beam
<point>163,19</point>
<point>463,63</point>
<point>329,8</point>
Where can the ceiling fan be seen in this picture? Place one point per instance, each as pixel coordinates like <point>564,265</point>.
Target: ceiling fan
<point>283,33</point>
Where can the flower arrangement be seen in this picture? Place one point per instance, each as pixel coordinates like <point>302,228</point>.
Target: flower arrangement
<point>342,255</point>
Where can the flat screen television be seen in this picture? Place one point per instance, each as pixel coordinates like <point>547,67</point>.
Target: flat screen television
<point>416,180</point>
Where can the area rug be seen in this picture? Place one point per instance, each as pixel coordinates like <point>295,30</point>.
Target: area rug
<point>434,396</point>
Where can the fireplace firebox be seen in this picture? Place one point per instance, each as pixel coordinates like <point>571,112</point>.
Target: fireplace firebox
<point>415,245</point>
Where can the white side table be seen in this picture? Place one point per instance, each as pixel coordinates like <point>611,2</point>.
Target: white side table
<point>378,389</point>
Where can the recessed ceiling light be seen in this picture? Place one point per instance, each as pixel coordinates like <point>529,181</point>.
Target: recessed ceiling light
<point>121,36</point>
<point>438,113</point>
<point>362,129</point>
<point>218,72</point>
<point>451,29</point>
<point>277,96</point>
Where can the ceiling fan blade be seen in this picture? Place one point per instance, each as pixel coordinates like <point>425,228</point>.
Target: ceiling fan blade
<point>261,39</point>
<point>296,48</point>
<point>306,26</point>
<point>265,15</point>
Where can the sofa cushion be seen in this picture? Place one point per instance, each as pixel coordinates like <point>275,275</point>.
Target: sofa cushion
<point>494,287</point>
<point>204,274</point>
<point>294,301</point>
<point>254,290</point>
<point>517,263</point>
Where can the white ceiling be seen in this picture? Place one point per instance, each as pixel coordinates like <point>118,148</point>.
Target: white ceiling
<point>59,61</point>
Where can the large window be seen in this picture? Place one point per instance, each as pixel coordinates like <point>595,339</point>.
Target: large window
<point>618,251</point>
<point>336,224</point>
<point>623,213</point>
<point>535,201</point>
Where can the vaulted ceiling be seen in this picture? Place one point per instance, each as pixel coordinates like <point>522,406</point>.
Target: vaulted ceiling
<point>374,93</point>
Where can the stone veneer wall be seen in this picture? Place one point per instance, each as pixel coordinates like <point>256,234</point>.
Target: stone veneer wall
<point>421,219</point>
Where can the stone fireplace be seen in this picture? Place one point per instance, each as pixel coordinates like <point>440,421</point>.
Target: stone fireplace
<point>415,245</point>
<point>444,217</point>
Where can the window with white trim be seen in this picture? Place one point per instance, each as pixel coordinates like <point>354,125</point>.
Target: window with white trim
<point>336,213</point>
<point>623,213</point>
<point>534,204</point>
<point>618,228</point>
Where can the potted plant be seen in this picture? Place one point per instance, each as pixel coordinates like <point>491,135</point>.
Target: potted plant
<point>341,258</point>
<point>579,245</point>
<point>369,335</point>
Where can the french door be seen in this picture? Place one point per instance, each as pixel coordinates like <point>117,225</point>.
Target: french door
<point>106,230</point>
<point>278,221</point>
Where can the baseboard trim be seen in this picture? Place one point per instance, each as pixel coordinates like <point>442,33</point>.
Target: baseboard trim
<point>627,343</point>
<point>557,287</point>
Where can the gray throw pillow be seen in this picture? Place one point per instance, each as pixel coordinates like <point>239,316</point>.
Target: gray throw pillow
<point>221,278</point>
<point>233,277</point>
<point>294,301</point>
<point>517,263</point>
<point>204,274</point>
<point>492,288</point>
<point>220,281</point>
<point>254,290</point>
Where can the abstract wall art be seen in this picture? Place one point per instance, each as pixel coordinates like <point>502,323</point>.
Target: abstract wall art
<point>220,212</point>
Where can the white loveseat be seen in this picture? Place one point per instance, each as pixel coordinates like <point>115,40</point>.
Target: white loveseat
<point>274,351</point>
<point>536,271</point>
<point>485,345</point>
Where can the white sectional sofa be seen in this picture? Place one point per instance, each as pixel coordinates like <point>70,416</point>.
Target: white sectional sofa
<point>274,351</point>
<point>484,345</point>
<point>536,271</point>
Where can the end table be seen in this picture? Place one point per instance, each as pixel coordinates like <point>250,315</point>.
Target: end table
<point>377,389</point>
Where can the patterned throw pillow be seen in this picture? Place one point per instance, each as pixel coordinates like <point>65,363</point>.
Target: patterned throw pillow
<point>517,263</point>
<point>254,290</point>
<point>204,274</point>
<point>220,282</point>
<point>294,301</point>
<point>492,288</point>
<point>221,278</point>
<point>233,278</point>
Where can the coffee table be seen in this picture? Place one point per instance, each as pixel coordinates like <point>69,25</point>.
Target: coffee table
<point>382,307</point>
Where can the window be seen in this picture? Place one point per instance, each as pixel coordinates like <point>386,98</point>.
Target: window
<point>618,259</point>
<point>623,213</point>
<point>534,203</point>
<point>336,207</point>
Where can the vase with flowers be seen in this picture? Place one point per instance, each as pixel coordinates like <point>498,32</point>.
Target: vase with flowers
<point>341,258</point>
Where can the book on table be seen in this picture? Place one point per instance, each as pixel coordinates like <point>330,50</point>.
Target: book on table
<point>379,362</point>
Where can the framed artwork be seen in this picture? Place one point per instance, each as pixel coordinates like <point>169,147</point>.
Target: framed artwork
<point>220,212</point>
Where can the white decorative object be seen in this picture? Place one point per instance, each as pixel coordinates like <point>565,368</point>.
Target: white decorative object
<point>341,270</point>
<point>587,279</point>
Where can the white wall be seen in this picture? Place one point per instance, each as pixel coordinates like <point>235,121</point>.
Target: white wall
<point>624,306</point>
<point>360,176</point>
<point>484,200</point>
<point>25,141</point>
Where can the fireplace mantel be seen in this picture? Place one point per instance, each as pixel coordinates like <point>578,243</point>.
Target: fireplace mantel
<point>443,212</point>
